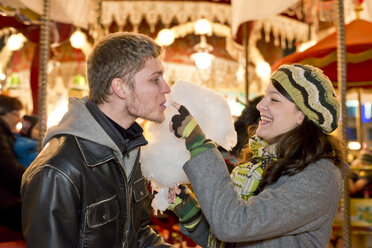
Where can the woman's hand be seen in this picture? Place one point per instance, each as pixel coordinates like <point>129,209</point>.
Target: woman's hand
<point>185,206</point>
<point>172,194</point>
<point>184,125</point>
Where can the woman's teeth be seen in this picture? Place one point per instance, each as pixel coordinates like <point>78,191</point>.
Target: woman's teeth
<point>266,119</point>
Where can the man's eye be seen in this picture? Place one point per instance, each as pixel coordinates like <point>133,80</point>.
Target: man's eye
<point>156,80</point>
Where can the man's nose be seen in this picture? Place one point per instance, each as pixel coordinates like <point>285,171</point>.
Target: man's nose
<point>166,88</point>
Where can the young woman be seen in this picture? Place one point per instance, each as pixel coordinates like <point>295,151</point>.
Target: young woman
<point>288,192</point>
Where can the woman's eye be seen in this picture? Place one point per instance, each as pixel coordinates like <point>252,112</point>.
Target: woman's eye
<point>274,100</point>
<point>156,80</point>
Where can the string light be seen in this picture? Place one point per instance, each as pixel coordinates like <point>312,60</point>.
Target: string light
<point>165,37</point>
<point>202,57</point>
<point>203,26</point>
<point>78,39</point>
<point>15,42</point>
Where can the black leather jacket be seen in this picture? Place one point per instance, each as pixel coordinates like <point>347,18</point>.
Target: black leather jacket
<point>81,180</point>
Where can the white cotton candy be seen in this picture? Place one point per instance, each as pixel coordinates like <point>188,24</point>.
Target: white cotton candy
<point>160,201</point>
<point>163,158</point>
<point>210,109</point>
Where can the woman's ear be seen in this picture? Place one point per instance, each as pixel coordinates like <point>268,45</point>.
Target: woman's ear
<point>300,117</point>
<point>118,86</point>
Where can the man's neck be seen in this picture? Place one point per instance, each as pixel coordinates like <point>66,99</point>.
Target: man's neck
<point>116,114</point>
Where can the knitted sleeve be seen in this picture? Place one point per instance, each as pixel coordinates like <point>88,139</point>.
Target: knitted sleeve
<point>185,126</point>
<point>187,208</point>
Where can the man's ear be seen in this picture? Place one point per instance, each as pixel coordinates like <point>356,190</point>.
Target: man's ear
<point>118,86</point>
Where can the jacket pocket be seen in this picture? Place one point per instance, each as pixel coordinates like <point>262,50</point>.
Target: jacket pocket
<point>140,190</point>
<point>102,212</point>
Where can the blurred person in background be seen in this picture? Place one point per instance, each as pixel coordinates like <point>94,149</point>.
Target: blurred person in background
<point>249,117</point>
<point>360,182</point>
<point>25,145</point>
<point>11,170</point>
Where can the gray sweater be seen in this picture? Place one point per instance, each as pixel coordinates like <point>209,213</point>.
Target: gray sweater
<point>295,211</point>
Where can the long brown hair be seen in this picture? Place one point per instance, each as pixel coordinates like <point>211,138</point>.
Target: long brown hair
<point>300,147</point>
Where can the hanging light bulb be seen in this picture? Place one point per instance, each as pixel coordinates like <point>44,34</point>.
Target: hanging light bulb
<point>165,37</point>
<point>15,42</point>
<point>203,60</point>
<point>202,57</point>
<point>78,39</point>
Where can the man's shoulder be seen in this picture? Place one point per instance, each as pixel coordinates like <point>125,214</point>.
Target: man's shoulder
<point>59,146</point>
<point>61,155</point>
<point>71,154</point>
<point>58,151</point>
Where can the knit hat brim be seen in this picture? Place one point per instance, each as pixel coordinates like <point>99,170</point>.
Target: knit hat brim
<point>312,92</point>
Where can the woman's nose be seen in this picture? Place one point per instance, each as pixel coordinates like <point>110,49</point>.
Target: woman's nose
<point>260,106</point>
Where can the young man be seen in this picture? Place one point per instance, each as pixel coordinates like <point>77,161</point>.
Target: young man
<point>10,169</point>
<point>86,189</point>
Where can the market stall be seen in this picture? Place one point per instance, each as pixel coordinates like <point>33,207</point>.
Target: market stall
<point>63,71</point>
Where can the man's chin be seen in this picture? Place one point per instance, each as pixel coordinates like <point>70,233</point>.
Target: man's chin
<point>158,119</point>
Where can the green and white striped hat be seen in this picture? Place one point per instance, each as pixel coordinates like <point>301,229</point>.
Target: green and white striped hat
<point>312,92</point>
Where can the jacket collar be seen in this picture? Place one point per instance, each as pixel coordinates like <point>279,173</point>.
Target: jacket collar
<point>94,154</point>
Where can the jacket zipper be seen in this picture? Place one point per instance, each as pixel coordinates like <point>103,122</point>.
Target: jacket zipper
<point>134,144</point>
<point>126,223</point>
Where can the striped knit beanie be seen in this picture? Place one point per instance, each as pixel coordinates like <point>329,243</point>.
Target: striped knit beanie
<point>312,92</point>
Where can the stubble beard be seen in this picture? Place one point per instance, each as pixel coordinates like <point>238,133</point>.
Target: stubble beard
<point>135,109</point>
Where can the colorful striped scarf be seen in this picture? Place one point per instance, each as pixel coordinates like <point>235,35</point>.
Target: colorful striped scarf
<point>247,176</point>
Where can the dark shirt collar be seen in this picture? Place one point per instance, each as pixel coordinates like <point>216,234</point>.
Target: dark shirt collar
<point>125,139</point>
<point>128,134</point>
